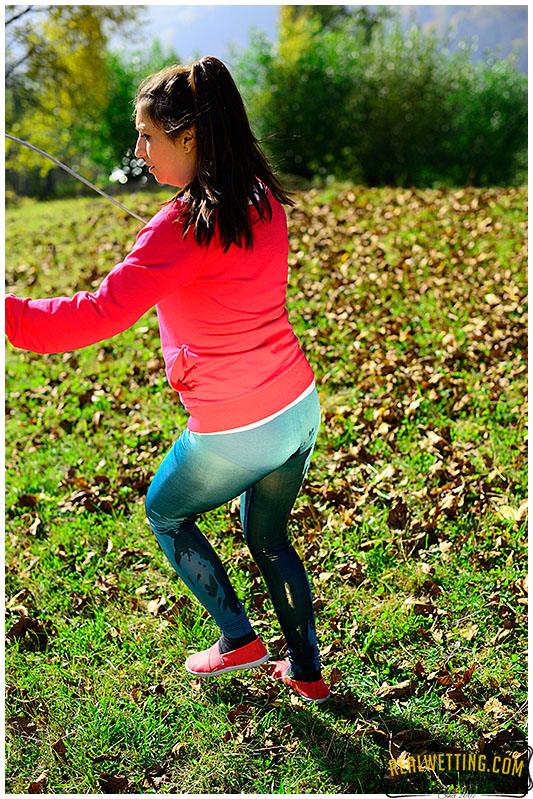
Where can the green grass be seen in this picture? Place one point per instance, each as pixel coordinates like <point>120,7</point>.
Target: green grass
<point>410,305</point>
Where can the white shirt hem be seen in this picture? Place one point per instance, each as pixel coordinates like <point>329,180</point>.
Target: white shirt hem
<point>304,394</point>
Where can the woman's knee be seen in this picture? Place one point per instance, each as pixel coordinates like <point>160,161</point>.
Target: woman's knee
<point>163,516</point>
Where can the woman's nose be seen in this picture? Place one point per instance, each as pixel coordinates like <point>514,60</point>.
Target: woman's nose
<point>139,148</point>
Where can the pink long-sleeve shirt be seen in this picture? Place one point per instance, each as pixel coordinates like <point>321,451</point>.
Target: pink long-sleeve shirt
<point>229,347</point>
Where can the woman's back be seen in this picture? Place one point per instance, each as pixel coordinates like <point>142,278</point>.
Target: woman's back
<point>226,336</point>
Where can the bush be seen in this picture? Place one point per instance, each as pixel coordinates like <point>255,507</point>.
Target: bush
<point>487,108</point>
<point>393,108</point>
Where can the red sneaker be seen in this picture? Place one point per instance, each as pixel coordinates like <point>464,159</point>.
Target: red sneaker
<point>210,662</point>
<point>313,692</point>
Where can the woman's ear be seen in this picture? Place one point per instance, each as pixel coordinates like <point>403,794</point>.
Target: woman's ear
<point>188,140</point>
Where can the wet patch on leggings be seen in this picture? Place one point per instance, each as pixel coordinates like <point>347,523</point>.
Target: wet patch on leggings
<point>199,571</point>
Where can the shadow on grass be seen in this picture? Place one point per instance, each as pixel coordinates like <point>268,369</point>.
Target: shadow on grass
<point>352,745</point>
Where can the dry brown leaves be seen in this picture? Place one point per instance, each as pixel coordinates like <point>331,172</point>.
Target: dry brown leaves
<point>359,270</point>
<point>31,634</point>
<point>354,255</point>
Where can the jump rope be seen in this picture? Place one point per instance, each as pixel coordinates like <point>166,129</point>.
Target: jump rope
<point>75,174</point>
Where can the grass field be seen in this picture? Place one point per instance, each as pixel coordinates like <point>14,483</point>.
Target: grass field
<point>412,521</point>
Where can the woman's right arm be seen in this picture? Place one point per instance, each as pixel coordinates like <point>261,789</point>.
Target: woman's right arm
<point>160,263</point>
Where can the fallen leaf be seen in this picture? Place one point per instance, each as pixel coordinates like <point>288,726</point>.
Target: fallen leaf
<point>60,750</point>
<point>154,777</point>
<point>352,571</point>
<point>154,605</point>
<point>398,515</point>
<point>464,677</point>
<point>386,474</point>
<point>113,783</point>
<point>469,632</point>
<point>31,632</point>
<point>102,758</point>
<point>421,606</point>
<point>88,557</point>
<point>445,547</point>
<point>36,529</point>
<point>455,697</point>
<point>500,636</point>
<point>27,501</point>
<point>24,726</point>
<point>420,670</point>
<point>496,708</point>
<point>335,677</point>
<point>472,721</point>
<point>510,513</point>
<point>400,691</point>
<point>38,785</point>
<point>106,587</point>
<point>496,741</point>
<point>443,677</point>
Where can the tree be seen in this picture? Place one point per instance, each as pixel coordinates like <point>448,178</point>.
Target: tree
<point>392,109</point>
<point>327,16</point>
<point>301,91</point>
<point>332,17</point>
<point>57,79</point>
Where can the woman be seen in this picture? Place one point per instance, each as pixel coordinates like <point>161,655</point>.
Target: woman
<point>213,261</point>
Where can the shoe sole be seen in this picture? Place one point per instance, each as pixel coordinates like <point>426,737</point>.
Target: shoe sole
<point>314,701</point>
<point>227,669</point>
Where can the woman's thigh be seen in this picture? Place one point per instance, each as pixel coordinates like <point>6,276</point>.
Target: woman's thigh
<point>192,480</point>
<point>202,472</point>
<point>267,504</point>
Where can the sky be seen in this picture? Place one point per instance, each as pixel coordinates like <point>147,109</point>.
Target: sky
<point>200,30</point>
<point>210,29</point>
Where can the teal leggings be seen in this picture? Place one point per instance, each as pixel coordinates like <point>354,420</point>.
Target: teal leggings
<point>265,466</point>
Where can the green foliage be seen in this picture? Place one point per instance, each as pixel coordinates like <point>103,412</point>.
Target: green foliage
<point>296,97</point>
<point>114,140</point>
<point>86,123</point>
<point>342,93</point>
<point>487,108</point>
<point>383,106</point>
<point>57,83</point>
<point>332,16</point>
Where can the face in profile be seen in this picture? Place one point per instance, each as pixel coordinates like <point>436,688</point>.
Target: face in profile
<point>170,160</point>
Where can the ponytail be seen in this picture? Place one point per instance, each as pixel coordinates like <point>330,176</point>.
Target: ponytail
<point>231,169</point>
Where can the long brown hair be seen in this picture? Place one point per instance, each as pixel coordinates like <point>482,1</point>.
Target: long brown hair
<point>231,168</point>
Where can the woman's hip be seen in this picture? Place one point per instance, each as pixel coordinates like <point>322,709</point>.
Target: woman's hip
<point>201,472</point>
<point>263,448</point>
